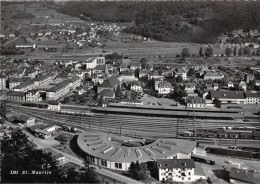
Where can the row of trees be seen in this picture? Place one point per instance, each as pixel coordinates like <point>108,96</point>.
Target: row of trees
<point>209,52</point>
<point>19,158</point>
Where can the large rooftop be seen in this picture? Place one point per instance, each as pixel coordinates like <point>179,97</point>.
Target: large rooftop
<point>114,148</point>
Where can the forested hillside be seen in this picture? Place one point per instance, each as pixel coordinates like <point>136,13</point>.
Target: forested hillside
<point>200,22</point>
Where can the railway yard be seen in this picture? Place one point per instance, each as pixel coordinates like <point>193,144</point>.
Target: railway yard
<point>141,126</point>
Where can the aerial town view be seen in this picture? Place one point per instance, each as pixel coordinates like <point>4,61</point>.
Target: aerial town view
<point>130,92</point>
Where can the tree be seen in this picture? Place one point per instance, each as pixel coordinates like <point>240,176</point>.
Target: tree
<point>241,51</point>
<point>2,109</point>
<point>209,52</point>
<point>201,52</point>
<point>19,154</point>
<point>139,171</point>
<point>2,120</point>
<point>228,52</point>
<point>178,93</point>
<point>191,72</point>
<point>246,51</point>
<point>217,102</point>
<point>143,62</point>
<point>118,92</point>
<point>185,53</point>
<point>235,51</point>
<point>258,52</point>
<point>179,79</point>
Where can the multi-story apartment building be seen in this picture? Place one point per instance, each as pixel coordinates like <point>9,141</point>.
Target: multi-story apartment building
<point>136,86</point>
<point>252,98</point>
<point>62,88</point>
<point>92,63</point>
<point>33,95</point>
<point>164,87</point>
<point>213,75</point>
<point>3,80</point>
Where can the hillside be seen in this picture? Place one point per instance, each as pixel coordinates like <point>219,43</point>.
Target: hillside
<point>199,22</point>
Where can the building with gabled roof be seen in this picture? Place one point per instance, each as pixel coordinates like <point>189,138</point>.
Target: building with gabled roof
<point>24,86</point>
<point>228,96</point>
<point>164,87</point>
<point>109,83</point>
<point>179,170</point>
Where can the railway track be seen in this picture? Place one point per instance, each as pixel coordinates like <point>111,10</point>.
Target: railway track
<point>130,125</point>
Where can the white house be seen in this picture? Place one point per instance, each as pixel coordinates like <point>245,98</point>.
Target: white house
<point>33,95</point>
<point>252,98</point>
<point>3,80</point>
<point>93,62</point>
<point>136,86</point>
<point>164,87</point>
<point>179,170</point>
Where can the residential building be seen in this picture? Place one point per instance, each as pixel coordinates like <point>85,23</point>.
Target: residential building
<point>179,170</point>
<point>237,97</point>
<point>144,73</point>
<point>123,67</point>
<point>156,82</point>
<point>242,85</point>
<point>135,66</point>
<point>164,87</point>
<point>136,86</point>
<point>156,75</point>
<point>3,80</point>
<point>230,84</point>
<point>213,75</point>
<point>33,95</point>
<point>127,76</point>
<point>257,82</point>
<point>93,62</point>
<point>252,98</point>
<point>196,102</point>
<point>190,88</point>
<point>249,77</point>
<point>181,72</point>
<point>107,94</point>
<point>110,83</point>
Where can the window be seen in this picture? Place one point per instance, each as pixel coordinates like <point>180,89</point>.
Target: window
<point>103,163</point>
<point>118,165</point>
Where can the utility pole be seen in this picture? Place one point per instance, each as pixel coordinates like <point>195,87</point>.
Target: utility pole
<point>194,120</point>
<point>89,126</point>
<point>120,129</point>
<point>177,128</point>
